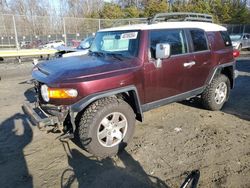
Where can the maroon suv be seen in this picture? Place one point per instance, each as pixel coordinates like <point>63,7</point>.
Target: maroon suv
<point>96,98</point>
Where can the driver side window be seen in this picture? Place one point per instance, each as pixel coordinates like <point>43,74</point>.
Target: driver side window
<point>175,37</point>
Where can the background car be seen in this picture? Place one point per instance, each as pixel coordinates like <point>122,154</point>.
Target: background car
<point>82,49</point>
<point>240,41</point>
<point>53,44</point>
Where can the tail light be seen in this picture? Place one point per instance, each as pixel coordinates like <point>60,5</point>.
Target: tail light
<point>236,53</point>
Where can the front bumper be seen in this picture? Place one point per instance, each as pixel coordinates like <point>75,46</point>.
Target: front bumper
<point>38,117</point>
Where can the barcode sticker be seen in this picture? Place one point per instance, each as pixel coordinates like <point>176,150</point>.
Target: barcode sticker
<point>131,35</point>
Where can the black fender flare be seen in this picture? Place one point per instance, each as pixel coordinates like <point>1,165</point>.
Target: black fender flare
<point>218,70</point>
<point>83,103</point>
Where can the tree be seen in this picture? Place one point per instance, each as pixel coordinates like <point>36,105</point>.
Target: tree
<point>153,7</point>
<point>221,11</point>
<point>240,13</point>
<point>111,11</point>
<point>131,12</point>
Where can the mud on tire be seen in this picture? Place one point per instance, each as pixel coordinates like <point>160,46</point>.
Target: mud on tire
<point>208,97</point>
<point>99,118</point>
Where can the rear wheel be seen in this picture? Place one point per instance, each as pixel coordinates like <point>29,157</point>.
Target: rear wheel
<point>106,126</point>
<point>216,93</point>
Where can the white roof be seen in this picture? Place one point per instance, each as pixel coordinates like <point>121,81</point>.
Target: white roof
<point>170,25</point>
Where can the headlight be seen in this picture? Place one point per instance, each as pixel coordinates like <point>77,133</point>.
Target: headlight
<point>57,93</point>
<point>45,93</point>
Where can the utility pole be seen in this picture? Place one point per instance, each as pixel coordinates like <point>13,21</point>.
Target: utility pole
<point>170,2</point>
<point>64,31</point>
<point>16,37</point>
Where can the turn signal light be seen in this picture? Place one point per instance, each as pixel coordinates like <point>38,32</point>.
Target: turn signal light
<point>57,93</point>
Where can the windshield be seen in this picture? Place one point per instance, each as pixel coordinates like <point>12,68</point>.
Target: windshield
<point>86,43</point>
<point>235,37</point>
<point>124,43</point>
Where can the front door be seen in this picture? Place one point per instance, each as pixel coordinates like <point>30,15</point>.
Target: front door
<point>168,80</point>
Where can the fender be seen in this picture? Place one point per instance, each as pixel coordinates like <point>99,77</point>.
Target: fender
<point>83,103</point>
<point>218,69</point>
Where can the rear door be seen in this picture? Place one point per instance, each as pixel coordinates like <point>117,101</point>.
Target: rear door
<point>198,69</point>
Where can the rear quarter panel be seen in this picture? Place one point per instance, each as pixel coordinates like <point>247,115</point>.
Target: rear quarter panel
<point>220,53</point>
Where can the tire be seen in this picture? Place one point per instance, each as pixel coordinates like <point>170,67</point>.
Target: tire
<point>209,98</point>
<point>103,112</point>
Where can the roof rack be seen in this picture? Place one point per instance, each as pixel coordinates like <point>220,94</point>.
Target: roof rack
<point>181,16</point>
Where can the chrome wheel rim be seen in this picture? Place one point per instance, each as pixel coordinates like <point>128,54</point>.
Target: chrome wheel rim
<point>112,129</point>
<point>221,93</point>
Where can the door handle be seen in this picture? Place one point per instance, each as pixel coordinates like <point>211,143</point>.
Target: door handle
<point>189,64</point>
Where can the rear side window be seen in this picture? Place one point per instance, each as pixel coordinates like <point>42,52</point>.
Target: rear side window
<point>199,40</point>
<point>175,38</point>
<point>226,38</point>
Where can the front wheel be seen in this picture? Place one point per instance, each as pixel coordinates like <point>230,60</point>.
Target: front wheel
<point>106,126</point>
<point>216,93</point>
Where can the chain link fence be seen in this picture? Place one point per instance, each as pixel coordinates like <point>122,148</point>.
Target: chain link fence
<point>237,28</point>
<point>29,32</point>
<point>17,31</point>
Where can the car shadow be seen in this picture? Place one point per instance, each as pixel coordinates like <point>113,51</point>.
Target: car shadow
<point>239,100</point>
<point>15,135</point>
<point>30,95</point>
<point>105,173</point>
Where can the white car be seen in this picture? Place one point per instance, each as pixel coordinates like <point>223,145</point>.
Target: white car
<point>53,44</point>
<point>82,49</point>
<point>240,41</point>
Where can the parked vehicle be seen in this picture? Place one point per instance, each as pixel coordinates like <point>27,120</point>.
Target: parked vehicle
<point>82,49</point>
<point>240,41</point>
<point>29,44</point>
<point>75,43</point>
<point>96,98</point>
<point>24,44</point>
<point>53,44</point>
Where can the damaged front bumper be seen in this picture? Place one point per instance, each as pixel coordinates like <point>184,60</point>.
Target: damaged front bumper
<point>39,118</point>
<point>45,121</point>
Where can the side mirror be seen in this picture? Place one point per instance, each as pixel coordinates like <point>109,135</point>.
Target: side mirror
<point>162,52</point>
<point>245,38</point>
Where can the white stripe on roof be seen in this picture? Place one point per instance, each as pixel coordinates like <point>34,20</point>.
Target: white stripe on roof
<point>170,25</point>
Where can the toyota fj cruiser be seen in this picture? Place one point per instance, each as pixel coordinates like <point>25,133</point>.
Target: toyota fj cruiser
<point>96,98</point>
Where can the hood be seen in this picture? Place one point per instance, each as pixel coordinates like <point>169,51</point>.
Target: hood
<point>81,67</point>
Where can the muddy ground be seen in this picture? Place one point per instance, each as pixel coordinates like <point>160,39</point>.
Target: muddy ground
<point>172,141</point>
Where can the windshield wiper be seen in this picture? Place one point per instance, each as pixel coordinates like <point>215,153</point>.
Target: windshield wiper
<point>100,54</point>
<point>117,56</point>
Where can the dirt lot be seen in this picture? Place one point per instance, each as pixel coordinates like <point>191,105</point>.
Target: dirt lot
<point>172,141</point>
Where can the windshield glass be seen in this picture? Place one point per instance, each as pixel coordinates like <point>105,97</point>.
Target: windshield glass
<point>235,37</point>
<point>86,43</point>
<point>123,43</point>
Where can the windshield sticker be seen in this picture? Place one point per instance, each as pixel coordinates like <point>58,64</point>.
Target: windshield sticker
<point>127,36</point>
